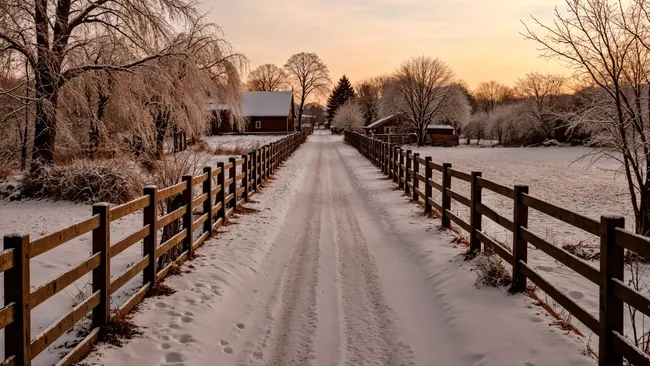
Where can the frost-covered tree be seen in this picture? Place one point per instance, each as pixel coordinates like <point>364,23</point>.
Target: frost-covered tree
<point>457,111</point>
<point>477,127</point>
<point>369,94</point>
<point>267,77</point>
<point>309,76</point>
<point>349,117</point>
<point>420,91</point>
<point>489,94</point>
<point>540,94</point>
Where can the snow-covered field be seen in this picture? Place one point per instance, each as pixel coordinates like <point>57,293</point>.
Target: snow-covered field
<point>569,177</point>
<point>338,268</point>
<point>38,218</point>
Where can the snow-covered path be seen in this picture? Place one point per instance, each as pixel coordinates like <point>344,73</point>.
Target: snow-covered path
<point>337,268</point>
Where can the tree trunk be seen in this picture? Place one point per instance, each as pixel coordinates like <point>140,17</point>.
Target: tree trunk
<point>162,120</point>
<point>643,217</point>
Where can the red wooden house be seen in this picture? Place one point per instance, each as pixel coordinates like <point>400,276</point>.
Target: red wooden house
<point>265,112</point>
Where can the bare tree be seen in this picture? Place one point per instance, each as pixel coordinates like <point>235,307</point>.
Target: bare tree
<point>309,76</point>
<point>540,94</point>
<point>489,94</point>
<point>608,43</point>
<point>421,91</point>
<point>267,77</point>
<point>369,92</point>
<point>50,34</point>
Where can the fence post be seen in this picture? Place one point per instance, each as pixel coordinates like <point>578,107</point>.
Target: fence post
<point>232,189</point>
<point>519,245</point>
<point>428,190</point>
<point>395,163</point>
<point>416,181</point>
<point>188,218</point>
<point>476,219</point>
<point>611,314</point>
<point>400,183</point>
<point>208,204</point>
<point>391,150</point>
<point>150,242</point>
<point>102,274</point>
<point>18,335</point>
<point>245,168</point>
<point>446,200</point>
<point>254,170</point>
<point>221,195</point>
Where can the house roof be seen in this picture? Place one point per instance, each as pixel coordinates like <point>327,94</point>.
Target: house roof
<point>267,104</point>
<point>440,127</point>
<point>380,122</point>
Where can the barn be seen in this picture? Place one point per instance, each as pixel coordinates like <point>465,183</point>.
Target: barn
<point>265,112</point>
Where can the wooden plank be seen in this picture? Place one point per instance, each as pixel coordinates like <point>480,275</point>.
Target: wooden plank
<point>459,221</point>
<point>81,349</point>
<point>125,277</point>
<point>227,166</point>
<point>420,177</point>
<point>166,246</point>
<point>499,249</point>
<point>492,215</point>
<point>200,240</point>
<point>434,204</point>
<point>632,353</point>
<point>7,315</point>
<point>55,286</point>
<point>241,201</point>
<point>582,222</point>
<point>11,361</point>
<point>199,200</point>
<point>228,182</point>
<point>631,296</point>
<point>216,208</point>
<point>171,191</point>
<point>53,332</point>
<point>239,162</point>
<point>216,190</point>
<point>561,298</point>
<point>435,185</point>
<point>53,240</point>
<point>134,300</point>
<point>196,224</point>
<point>200,179</point>
<point>130,240</point>
<point>178,261</point>
<point>495,187</point>
<point>458,198</point>
<point>421,160</point>
<point>460,175</point>
<point>7,259</point>
<point>240,176</point>
<point>229,197</point>
<point>217,224</point>
<point>634,242</point>
<point>421,195</point>
<point>170,217</point>
<point>583,268</point>
<point>240,191</point>
<point>437,167</point>
<point>215,172</point>
<point>230,212</point>
<point>128,208</point>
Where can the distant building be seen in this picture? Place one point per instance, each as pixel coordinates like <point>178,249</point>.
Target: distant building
<point>265,112</point>
<point>396,128</point>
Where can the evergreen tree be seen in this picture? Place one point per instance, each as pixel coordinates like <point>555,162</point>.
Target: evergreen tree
<point>341,94</point>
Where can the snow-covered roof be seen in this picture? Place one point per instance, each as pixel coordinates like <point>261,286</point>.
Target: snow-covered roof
<point>440,127</point>
<point>212,105</point>
<point>267,104</point>
<point>379,122</point>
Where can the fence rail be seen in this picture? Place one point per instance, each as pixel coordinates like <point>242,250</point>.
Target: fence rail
<point>614,347</point>
<point>215,207</point>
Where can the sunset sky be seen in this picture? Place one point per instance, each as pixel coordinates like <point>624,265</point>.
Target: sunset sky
<point>480,39</point>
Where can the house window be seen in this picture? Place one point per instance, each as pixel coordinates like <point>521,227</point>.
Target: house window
<point>389,130</point>
<point>258,125</point>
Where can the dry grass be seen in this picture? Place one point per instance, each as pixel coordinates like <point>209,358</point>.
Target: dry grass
<point>583,250</point>
<point>121,328</point>
<point>116,181</point>
<point>491,271</point>
<point>160,289</point>
<point>239,148</point>
<point>243,210</point>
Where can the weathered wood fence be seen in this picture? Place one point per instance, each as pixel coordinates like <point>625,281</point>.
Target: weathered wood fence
<point>216,202</point>
<point>414,173</point>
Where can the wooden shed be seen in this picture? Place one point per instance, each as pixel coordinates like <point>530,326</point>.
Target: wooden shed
<point>442,135</point>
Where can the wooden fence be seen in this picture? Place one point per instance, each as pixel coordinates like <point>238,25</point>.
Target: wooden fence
<point>414,174</point>
<point>216,203</point>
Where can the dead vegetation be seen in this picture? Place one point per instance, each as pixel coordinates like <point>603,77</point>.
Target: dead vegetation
<point>115,180</point>
<point>160,289</point>
<point>238,148</point>
<point>121,328</point>
<point>583,250</point>
<point>491,271</point>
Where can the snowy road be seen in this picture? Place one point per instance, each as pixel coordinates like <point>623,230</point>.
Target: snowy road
<point>337,268</point>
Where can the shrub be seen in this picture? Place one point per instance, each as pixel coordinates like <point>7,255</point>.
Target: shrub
<point>491,271</point>
<point>116,181</point>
